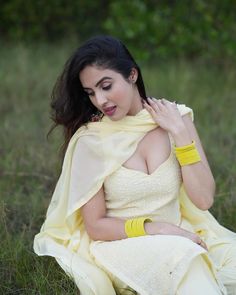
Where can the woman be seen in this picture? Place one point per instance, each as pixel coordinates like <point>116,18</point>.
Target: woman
<point>129,211</point>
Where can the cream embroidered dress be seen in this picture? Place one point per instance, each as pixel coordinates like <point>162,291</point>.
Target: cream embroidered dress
<point>151,265</point>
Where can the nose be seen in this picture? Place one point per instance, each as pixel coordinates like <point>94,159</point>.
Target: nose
<point>101,99</point>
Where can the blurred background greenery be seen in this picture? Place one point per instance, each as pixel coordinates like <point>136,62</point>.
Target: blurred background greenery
<point>151,28</point>
<point>187,52</point>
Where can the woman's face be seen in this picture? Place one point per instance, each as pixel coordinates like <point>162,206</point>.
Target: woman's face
<point>110,92</point>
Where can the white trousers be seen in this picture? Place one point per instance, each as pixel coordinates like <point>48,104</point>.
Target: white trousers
<point>198,280</point>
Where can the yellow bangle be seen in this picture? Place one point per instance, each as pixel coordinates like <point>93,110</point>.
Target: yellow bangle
<point>187,154</point>
<point>135,227</point>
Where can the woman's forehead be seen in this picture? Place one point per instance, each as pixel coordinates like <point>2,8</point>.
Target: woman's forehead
<point>91,75</point>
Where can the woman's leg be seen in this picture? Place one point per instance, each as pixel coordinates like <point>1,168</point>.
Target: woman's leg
<point>224,256</point>
<point>198,280</point>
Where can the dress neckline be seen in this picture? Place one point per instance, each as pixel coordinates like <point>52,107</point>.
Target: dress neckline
<point>163,164</point>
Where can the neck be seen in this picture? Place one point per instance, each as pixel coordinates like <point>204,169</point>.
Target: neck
<point>136,105</point>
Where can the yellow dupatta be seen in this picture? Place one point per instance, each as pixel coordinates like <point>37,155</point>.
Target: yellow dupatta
<point>94,152</point>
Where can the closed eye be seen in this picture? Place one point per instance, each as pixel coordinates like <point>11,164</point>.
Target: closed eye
<point>108,87</point>
<point>89,93</point>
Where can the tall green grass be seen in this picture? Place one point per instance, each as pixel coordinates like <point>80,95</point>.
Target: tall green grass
<point>30,165</point>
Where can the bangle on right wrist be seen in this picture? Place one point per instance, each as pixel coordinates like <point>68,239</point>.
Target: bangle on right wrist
<point>135,227</point>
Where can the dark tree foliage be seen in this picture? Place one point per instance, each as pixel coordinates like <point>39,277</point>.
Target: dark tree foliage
<point>151,29</point>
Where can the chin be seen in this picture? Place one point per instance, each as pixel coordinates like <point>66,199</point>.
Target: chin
<point>117,117</point>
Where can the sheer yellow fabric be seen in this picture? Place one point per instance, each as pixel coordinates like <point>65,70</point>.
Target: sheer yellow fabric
<point>94,152</point>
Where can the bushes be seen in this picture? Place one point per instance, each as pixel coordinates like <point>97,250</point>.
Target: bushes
<point>49,20</point>
<point>151,29</point>
<point>176,28</point>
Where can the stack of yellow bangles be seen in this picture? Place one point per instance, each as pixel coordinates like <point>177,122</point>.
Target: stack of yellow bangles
<point>185,155</point>
<point>135,227</point>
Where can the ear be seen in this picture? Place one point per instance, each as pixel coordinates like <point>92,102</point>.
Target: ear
<point>133,75</point>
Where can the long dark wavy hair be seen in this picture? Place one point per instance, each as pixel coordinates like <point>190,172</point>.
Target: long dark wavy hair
<point>71,106</point>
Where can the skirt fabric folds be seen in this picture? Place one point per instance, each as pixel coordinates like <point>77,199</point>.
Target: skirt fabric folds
<point>168,265</point>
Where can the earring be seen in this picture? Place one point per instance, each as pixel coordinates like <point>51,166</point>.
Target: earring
<point>96,117</point>
<point>132,80</point>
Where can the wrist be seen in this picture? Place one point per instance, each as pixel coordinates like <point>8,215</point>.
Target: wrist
<point>160,228</point>
<point>148,227</point>
<point>135,227</point>
<point>181,135</point>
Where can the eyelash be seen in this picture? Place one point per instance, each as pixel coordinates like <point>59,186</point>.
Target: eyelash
<point>106,88</point>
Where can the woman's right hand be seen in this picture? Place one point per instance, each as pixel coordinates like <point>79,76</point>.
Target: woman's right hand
<point>195,238</point>
<point>165,228</point>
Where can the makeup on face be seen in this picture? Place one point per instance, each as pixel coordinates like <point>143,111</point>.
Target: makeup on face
<point>110,92</point>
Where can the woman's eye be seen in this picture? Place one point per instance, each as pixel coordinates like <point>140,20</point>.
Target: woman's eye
<point>106,87</point>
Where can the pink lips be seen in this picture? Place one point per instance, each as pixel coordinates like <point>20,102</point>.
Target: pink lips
<point>109,111</point>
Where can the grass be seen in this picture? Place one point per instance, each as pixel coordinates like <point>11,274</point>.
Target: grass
<point>30,165</point>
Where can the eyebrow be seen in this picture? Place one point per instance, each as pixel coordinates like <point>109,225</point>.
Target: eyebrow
<point>100,81</point>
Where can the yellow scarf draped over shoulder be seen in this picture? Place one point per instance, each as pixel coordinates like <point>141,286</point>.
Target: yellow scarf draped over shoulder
<point>94,152</point>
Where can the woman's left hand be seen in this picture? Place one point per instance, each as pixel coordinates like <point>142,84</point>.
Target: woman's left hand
<point>165,114</point>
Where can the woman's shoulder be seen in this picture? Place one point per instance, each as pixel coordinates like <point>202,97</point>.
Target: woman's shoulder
<point>184,110</point>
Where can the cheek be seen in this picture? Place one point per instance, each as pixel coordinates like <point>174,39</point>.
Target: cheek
<point>121,92</point>
<point>93,101</point>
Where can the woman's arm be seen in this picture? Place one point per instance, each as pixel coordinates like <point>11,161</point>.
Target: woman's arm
<point>101,227</point>
<point>197,178</point>
<point>97,224</point>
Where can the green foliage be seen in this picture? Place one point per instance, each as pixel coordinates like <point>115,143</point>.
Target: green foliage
<point>175,28</point>
<point>151,29</point>
<point>49,20</point>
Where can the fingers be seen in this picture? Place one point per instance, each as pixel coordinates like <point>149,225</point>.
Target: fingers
<point>201,243</point>
<point>164,101</point>
<point>161,111</point>
<point>150,106</point>
<point>160,104</point>
<point>168,103</point>
<point>154,103</point>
